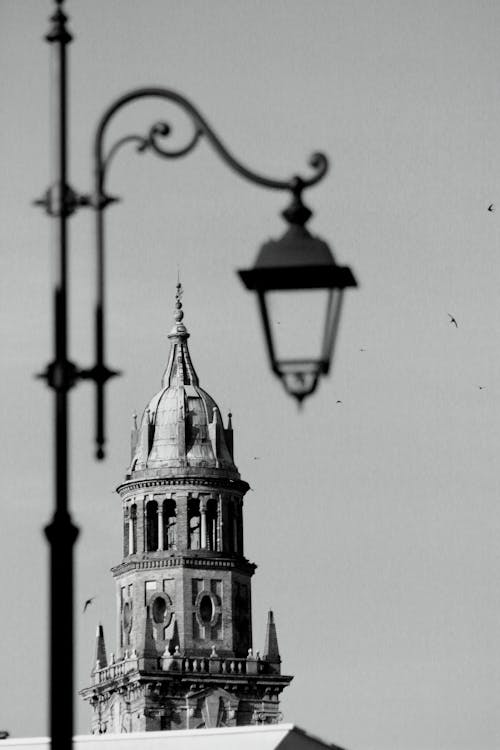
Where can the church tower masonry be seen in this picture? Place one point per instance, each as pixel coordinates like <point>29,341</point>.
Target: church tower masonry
<point>184,657</point>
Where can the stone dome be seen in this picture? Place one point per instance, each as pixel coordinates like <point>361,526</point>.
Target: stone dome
<point>181,429</point>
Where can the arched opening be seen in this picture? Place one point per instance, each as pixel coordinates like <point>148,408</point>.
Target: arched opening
<point>194,524</point>
<point>159,609</point>
<point>231,527</point>
<point>235,531</point>
<point>239,526</point>
<point>170,524</point>
<point>206,609</point>
<point>132,530</point>
<point>152,526</point>
<point>126,521</point>
<point>212,525</point>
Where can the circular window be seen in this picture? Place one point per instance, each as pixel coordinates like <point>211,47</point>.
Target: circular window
<point>159,609</point>
<point>206,609</point>
<point>127,615</point>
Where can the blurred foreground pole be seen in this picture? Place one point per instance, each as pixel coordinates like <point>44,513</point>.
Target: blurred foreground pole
<point>59,203</point>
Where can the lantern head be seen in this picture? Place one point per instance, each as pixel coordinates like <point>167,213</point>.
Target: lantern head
<point>300,292</point>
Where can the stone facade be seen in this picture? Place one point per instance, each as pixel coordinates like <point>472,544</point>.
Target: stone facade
<point>184,655</point>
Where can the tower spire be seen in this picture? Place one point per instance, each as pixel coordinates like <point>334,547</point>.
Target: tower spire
<point>228,434</point>
<point>147,650</point>
<point>271,650</point>
<point>179,370</point>
<point>100,660</point>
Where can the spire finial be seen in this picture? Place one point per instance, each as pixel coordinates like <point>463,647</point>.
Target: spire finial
<point>179,328</point>
<point>179,313</point>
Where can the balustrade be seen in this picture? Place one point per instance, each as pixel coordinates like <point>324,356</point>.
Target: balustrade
<point>185,665</point>
<point>115,669</point>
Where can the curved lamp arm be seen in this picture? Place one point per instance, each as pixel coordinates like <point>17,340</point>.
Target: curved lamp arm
<point>100,200</point>
<point>318,161</point>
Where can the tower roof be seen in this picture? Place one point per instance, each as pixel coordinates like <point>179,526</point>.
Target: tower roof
<point>181,426</point>
<point>100,659</point>
<point>271,650</point>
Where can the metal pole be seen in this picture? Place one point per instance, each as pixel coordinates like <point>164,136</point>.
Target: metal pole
<point>60,375</point>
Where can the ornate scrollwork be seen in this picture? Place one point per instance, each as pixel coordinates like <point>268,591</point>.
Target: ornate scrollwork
<point>163,129</point>
<point>318,161</point>
<point>152,141</point>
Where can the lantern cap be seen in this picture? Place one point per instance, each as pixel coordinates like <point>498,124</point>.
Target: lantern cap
<point>297,247</point>
<point>297,260</point>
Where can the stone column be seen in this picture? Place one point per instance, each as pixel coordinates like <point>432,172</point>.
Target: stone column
<point>203,523</point>
<point>181,503</point>
<point>145,522</point>
<point>220,543</point>
<point>125,532</point>
<point>160,525</point>
<point>130,535</point>
<point>235,530</point>
<point>141,532</point>
<point>240,525</point>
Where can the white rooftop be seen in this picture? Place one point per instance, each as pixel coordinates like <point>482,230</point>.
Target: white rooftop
<point>267,737</point>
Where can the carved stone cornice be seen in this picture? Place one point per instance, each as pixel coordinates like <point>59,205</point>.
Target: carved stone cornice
<point>144,485</point>
<point>186,561</point>
<point>164,683</point>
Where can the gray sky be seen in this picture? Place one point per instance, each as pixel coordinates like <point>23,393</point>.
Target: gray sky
<point>374,522</point>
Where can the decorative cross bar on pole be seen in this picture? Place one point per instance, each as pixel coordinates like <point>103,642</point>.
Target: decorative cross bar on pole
<point>297,261</point>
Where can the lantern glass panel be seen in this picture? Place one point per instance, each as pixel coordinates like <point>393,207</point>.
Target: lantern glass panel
<point>297,322</point>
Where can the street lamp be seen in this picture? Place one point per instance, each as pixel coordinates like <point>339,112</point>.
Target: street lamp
<point>297,261</point>
<point>300,290</point>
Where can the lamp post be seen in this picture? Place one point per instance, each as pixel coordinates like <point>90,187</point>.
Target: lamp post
<point>272,271</point>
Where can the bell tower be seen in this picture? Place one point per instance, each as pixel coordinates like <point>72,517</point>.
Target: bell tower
<point>184,656</point>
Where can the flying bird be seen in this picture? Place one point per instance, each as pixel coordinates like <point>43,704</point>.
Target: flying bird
<point>481,387</point>
<point>88,603</point>
<point>452,320</point>
<point>338,402</point>
<point>491,207</point>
